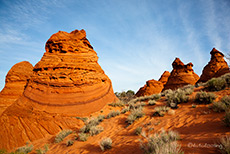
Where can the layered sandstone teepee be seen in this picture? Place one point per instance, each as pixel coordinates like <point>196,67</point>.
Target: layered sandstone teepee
<point>67,82</point>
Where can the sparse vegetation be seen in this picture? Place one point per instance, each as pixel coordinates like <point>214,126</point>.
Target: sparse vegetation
<point>42,151</point>
<point>106,144</point>
<point>88,124</point>
<point>227,118</point>
<point>135,114</point>
<point>25,149</point>
<point>205,97</point>
<point>59,137</point>
<point>83,137</point>
<point>218,107</point>
<point>151,102</point>
<point>125,96</point>
<point>138,130</point>
<point>119,104</point>
<point>113,114</point>
<point>125,109</point>
<point>161,110</point>
<point>225,142</point>
<point>94,130</point>
<point>176,97</point>
<point>216,84</point>
<point>69,143</point>
<point>163,143</point>
<point>100,118</point>
<point>193,106</point>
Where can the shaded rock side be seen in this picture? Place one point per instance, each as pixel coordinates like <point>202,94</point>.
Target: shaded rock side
<point>181,75</point>
<point>216,67</point>
<point>67,82</point>
<point>15,83</point>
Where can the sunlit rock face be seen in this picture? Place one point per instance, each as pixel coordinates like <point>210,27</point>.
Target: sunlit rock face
<point>67,82</point>
<point>216,67</point>
<point>181,75</point>
<point>15,82</point>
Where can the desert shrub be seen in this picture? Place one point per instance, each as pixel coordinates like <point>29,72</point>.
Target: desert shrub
<point>115,104</point>
<point>125,109</point>
<point>215,84</point>
<point>163,143</point>
<point>25,149</point>
<point>59,137</point>
<point>151,102</point>
<point>188,89</point>
<point>226,77</point>
<point>113,114</point>
<point>176,97</point>
<point>100,118</point>
<point>83,136</point>
<point>219,107</point>
<point>84,119</point>
<point>160,110</point>
<point>69,143</point>
<point>125,96</point>
<point>94,130</point>
<point>135,114</point>
<point>42,151</point>
<point>88,124</point>
<point>3,151</point>
<point>106,144</point>
<point>193,106</point>
<point>205,97</point>
<point>225,145</point>
<point>226,100</point>
<point>227,118</point>
<point>138,130</point>
<point>167,92</point>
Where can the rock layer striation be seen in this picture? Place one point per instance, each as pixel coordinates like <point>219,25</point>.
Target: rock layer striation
<point>15,82</point>
<point>67,82</point>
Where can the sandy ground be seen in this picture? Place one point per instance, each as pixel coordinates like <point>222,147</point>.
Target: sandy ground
<point>200,130</point>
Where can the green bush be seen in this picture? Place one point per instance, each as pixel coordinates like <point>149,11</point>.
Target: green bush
<point>83,136</point>
<point>227,118</point>
<point>94,130</point>
<point>125,96</point>
<point>100,118</point>
<point>106,144</point>
<point>163,143</point>
<point>216,84</point>
<point>151,102</point>
<point>226,100</point>
<point>205,97</point>
<point>135,114</point>
<point>25,149</point>
<point>69,143</point>
<point>113,114</point>
<point>160,110</point>
<point>225,142</point>
<point>59,137</point>
<point>42,151</point>
<point>138,130</point>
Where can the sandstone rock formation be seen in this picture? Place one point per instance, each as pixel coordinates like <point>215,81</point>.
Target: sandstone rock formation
<point>153,86</point>
<point>164,77</point>
<point>181,75</point>
<point>67,82</point>
<point>15,83</point>
<point>216,67</point>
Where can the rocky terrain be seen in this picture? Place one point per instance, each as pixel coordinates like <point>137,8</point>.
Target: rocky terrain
<point>66,104</point>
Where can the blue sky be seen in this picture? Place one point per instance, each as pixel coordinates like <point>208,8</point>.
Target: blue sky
<point>136,40</point>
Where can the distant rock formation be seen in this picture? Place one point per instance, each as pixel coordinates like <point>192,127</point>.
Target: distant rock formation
<point>15,83</point>
<point>67,82</point>
<point>153,86</point>
<point>216,67</point>
<point>181,75</point>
